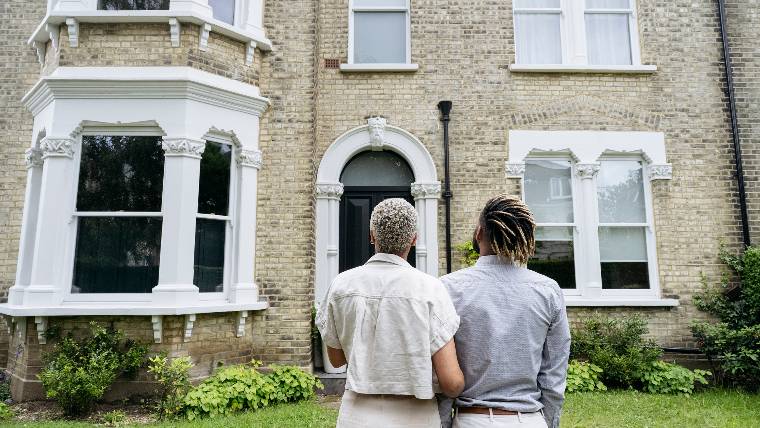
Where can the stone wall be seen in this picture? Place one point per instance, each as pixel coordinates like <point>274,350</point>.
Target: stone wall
<point>464,49</point>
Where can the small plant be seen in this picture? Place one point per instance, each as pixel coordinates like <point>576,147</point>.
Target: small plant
<point>78,372</point>
<point>6,413</point>
<point>242,387</point>
<point>5,386</point>
<point>114,418</point>
<point>173,378</point>
<point>584,377</point>
<point>469,255</point>
<point>667,378</point>
<point>617,347</point>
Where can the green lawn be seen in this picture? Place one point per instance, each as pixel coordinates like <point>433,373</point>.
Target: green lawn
<point>612,409</point>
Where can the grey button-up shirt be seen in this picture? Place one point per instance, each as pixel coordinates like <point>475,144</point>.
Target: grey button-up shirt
<point>513,341</point>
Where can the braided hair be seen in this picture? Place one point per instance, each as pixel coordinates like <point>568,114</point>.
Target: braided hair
<point>508,225</point>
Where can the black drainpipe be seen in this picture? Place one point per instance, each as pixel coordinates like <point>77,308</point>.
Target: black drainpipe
<point>445,108</point>
<point>734,125</point>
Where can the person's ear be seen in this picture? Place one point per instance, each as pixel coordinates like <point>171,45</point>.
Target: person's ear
<point>414,241</point>
<point>478,233</point>
<point>372,237</point>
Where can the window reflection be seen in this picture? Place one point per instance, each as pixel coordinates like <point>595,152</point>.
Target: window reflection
<point>548,190</point>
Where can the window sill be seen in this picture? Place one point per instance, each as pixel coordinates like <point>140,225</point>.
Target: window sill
<point>571,68</point>
<point>381,68</point>
<point>147,16</point>
<point>127,309</point>
<point>577,301</point>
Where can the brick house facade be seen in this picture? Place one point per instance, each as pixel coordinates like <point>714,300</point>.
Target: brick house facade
<point>295,111</point>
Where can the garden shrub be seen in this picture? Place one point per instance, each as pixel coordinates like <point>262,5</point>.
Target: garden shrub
<point>173,379</point>
<point>667,378</point>
<point>114,418</point>
<point>469,255</point>
<point>243,387</point>
<point>584,377</point>
<point>6,413</point>
<point>78,372</point>
<point>616,346</point>
<point>734,341</point>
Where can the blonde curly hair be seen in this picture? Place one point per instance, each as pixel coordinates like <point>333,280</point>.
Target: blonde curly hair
<point>394,224</point>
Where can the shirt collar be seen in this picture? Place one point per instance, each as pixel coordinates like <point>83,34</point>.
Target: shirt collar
<point>494,261</point>
<point>388,258</point>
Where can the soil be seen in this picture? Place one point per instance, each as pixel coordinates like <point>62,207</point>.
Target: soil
<point>32,411</point>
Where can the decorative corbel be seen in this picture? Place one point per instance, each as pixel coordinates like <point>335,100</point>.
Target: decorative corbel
<point>376,127</point>
<point>73,27</point>
<point>174,31</point>
<point>54,32</point>
<point>189,322</point>
<point>205,30</point>
<point>250,51</point>
<point>40,48</point>
<point>242,315</point>
<point>42,325</point>
<point>158,327</point>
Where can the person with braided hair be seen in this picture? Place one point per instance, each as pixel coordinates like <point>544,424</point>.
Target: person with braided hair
<point>513,341</point>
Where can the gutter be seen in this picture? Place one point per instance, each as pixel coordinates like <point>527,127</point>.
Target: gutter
<point>734,125</point>
<point>445,108</point>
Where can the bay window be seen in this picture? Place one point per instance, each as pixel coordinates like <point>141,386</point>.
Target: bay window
<point>592,33</point>
<point>223,10</point>
<point>379,32</point>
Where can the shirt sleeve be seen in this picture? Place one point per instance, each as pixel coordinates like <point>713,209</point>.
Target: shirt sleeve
<point>325,321</point>
<point>444,321</point>
<point>552,375</point>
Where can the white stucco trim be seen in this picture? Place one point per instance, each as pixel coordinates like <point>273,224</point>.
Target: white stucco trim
<point>106,308</point>
<point>378,67</point>
<point>582,68</point>
<point>578,301</point>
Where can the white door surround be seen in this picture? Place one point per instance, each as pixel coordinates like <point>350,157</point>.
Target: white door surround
<point>426,189</point>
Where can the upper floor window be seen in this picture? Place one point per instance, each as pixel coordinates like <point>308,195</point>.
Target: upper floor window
<point>133,4</point>
<point>379,32</point>
<point>223,10</point>
<point>583,32</point>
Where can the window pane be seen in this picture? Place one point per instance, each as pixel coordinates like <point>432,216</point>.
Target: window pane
<point>120,174</point>
<point>214,185</point>
<point>608,38</point>
<point>133,5</point>
<point>548,190</point>
<point>537,38</point>
<point>379,3</point>
<point>608,4</point>
<point>535,4</point>
<point>208,267</point>
<point>116,255</point>
<point>223,10</point>
<point>620,189</point>
<point>379,37</point>
<point>554,255</point>
<point>377,169</point>
<point>623,253</point>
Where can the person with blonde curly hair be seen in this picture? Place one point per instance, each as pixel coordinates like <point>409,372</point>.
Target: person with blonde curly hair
<point>394,327</point>
<point>513,340</point>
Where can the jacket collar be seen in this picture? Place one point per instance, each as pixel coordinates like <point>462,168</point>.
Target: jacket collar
<point>494,261</point>
<point>388,258</point>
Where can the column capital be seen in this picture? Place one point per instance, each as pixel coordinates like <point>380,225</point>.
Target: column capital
<point>586,170</point>
<point>328,190</point>
<point>426,190</point>
<point>189,147</point>
<point>57,147</point>
<point>514,169</point>
<point>249,158</point>
<point>33,158</point>
<point>660,171</point>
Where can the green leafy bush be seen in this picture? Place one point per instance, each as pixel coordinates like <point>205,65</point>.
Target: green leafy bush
<point>6,413</point>
<point>667,378</point>
<point>469,255</point>
<point>734,341</point>
<point>584,377</point>
<point>78,372</point>
<point>173,378</point>
<point>242,387</point>
<point>114,418</point>
<point>618,347</point>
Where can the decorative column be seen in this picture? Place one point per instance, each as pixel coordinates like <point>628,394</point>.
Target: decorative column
<point>243,288</point>
<point>197,6</point>
<point>28,226</point>
<point>49,248</point>
<point>426,197</point>
<point>587,172</point>
<point>182,166</point>
<point>327,234</point>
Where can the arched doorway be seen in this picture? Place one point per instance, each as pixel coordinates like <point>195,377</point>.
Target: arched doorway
<point>368,179</point>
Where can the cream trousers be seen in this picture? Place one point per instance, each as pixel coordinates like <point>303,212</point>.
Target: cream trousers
<point>523,420</point>
<point>387,411</point>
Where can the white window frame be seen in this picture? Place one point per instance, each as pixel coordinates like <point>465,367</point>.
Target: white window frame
<point>229,218</point>
<point>586,149</point>
<point>574,45</point>
<point>354,66</point>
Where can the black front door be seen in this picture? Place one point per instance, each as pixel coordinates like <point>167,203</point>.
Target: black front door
<point>356,207</point>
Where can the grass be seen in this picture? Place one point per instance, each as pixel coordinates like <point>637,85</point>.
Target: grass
<point>611,409</point>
